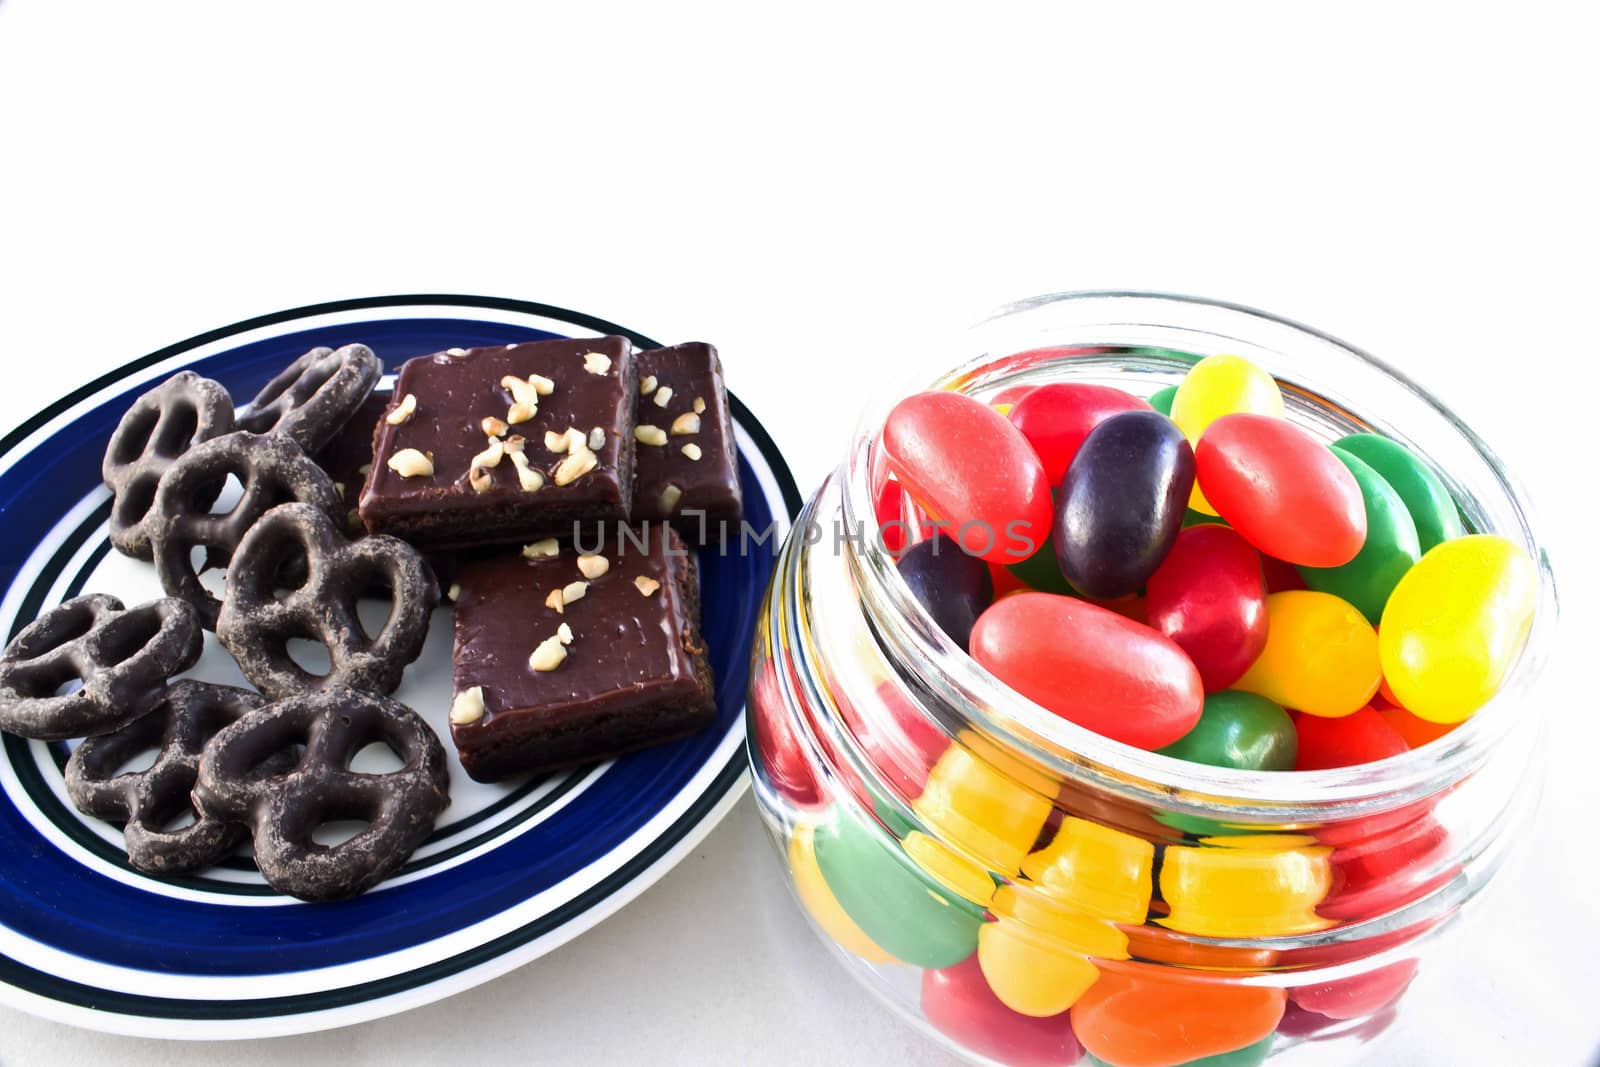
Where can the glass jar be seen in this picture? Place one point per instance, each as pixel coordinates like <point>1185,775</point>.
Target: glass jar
<point>1024,889</point>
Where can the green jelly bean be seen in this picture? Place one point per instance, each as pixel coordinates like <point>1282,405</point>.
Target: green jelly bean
<point>1042,571</point>
<point>1161,400</point>
<point>1249,1056</point>
<point>1239,730</point>
<point>1390,550</point>
<point>899,907</point>
<point>1191,517</point>
<point>1432,509</point>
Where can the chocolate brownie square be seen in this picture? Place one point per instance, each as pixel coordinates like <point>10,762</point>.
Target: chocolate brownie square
<point>686,464</point>
<point>567,654</point>
<point>504,444</point>
<point>348,457</point>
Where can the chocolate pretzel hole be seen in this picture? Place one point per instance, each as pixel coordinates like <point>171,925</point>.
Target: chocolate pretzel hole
<point>63,628</point>
<point>335,832</point>
<point>376,757</point>
<point>218,496</point>
<point>136,499</point>
<point>49,679</point>
<point>133,436</point>
<point>127,634</point>
<point>136,762</point>
<point>211,573</point>
<point>310,655</point>
<point>175,431</point>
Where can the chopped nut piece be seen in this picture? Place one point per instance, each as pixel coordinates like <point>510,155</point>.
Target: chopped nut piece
<point>541,549</point>
<point>575,466</point>
<point>596,362</point>
<point>467,706</point>
<point>493,427</point>
<point>409,463</point>
<point>670,497</point>
<point>338,487</point>
<point>364,470</point>
<point>455,351</point>
<point>597,438</point>
<point>593,566</point>
<point>576,439</point>
<point>574,591</point>
<point>531,480</point>
<point>541,385</point>
<point>564,633</point>
<point>479,470</point>
<point>646,586</point>
<point>650,435</point>
<point>519,413</point>
<point>692,450</point>
<point>525,397</point>
<point>515,443</point>
<point>663,396</point>
<point>402,414</point>
<point>647,385</point>
<point>687,423</point>
<point>699,405</point>
<point>554,601</point>
<point>454,592</point>
<point>555,442</point>
<point>548,656</point>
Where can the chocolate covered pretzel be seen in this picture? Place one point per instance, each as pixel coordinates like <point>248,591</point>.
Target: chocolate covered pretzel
<point>284,811</point>
<point>161,425</point>
<point>122,656</point>
<point>256,624</point>
<point>272,469</point>
<point>313,397</point>
<point>146,802</point>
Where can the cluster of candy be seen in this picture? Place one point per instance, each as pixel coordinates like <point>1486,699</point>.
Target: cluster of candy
<point>1197,575</point>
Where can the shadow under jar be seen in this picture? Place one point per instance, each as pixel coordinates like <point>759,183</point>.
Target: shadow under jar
<point>1029,892</point>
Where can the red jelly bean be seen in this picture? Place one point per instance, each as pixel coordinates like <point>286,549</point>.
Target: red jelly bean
<point>786,766</point>
<point>1282,489</point>
<point>1091,666</point>
<point>1281,577</point>
<point>972,470</point>
<point>1387,871</point>
<point>1056,418</point>
<point>1358,995</point>
<point>1345,741</point>
<point>958,1001</point>
<point>899,740</point>
<point>1209,597</point>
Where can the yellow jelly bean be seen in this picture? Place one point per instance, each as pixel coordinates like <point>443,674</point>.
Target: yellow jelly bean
<point>820,902</point>
<point>1321,656</point>
<point>982,811</point>
<point>1098,870</point>
<point>1454,624</point>
<point>1217,386</point>
<point>1035,954</point>
<point>949,868</point>
<point>1242,887</point>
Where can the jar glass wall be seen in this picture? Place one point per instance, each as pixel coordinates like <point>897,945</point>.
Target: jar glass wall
<point>1024,888</point>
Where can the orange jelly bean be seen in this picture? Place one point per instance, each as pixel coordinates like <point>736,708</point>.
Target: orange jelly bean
<point>1148,1021</point>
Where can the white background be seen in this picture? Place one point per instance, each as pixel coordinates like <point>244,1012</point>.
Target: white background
<point>819,189</point>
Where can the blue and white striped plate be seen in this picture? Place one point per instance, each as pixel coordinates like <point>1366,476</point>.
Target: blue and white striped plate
<point>511,872</point>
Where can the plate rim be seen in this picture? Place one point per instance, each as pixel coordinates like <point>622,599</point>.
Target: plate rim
<point>609,895</point>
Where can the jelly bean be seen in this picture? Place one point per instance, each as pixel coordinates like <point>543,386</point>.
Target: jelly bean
<point>1249,1056</point>
<point>889,509</point>
<point>1035,954</point>
<point>1417,732</point>
<point>893,902</point>
<point>1346,741</point>
<point>783,763</point>
<point>959,1003</point>
<point>1165,1021</point>
<point>1264,885</point>
<point>1281,577</point>
<point>900,742</point>
<point>1056,418</point>
<point>1215,387</point>
<point>1298,1022</point>
<point>972,803</point>
<point>1384,872</point>
<point>1007,582</point>
<point>819,902</point>
<point>1454,625</point>
<point>1091,666</point>
<point>1282,489</point>
<point>957,873</point>
<point>1239,730</point>
<point>1358,995</point>
<point>1208,595</point>
<point>1042,572</point>
<point>1389,551</point>
<point>1321,656</point>
<point>1158,945</point>
<point>1191,517</point>
<point>1097,870</point>
<point>1161,399</point>
<point>952,586</point>
<point>1432,509</point>
<point>972,470</point>
<point>1121,503</point>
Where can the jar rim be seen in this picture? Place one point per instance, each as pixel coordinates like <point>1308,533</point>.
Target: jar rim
<point>1065,748</point>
